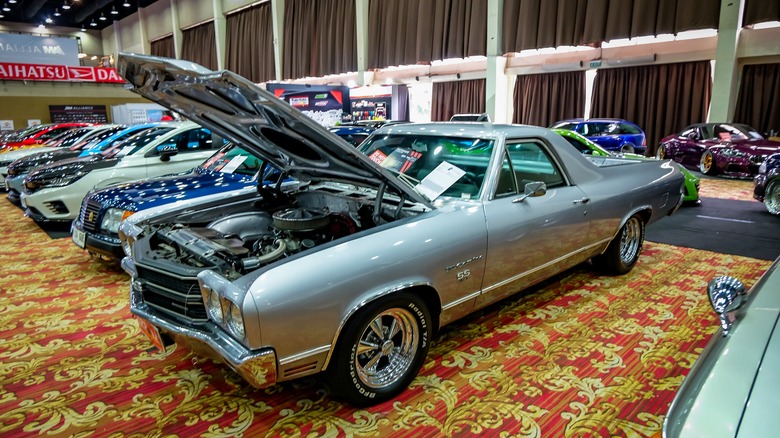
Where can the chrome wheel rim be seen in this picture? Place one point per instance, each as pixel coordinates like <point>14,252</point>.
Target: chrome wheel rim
<point>387,348</point>
<point>661,153</point>
<point>706,163</point>
<point>772,197</point>
<point>630,240</point>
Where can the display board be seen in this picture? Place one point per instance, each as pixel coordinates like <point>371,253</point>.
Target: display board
<point>328,105</point>
<point>78,113</point>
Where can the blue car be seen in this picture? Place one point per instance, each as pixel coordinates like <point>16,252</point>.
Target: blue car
<point>230,169</point>
<point>356,132</point>
<point>614,135</point>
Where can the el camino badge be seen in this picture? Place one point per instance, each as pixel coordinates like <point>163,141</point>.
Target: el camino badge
<point>463,263</point>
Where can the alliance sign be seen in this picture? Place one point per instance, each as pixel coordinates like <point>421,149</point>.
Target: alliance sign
<point>62,73</point>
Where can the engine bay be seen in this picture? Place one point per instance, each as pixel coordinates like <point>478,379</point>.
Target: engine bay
<point>278,225</point>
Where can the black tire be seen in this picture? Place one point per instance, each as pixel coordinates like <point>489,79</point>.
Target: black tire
<point>387,364</point>
<point>627,148</point>
<point>772,196</point>
<point>707,164</point>
<point>623,252</point>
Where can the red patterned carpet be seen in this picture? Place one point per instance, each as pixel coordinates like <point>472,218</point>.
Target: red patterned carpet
<point>582,355</point>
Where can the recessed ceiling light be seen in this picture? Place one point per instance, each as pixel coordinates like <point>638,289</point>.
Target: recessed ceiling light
<point>102,17</point>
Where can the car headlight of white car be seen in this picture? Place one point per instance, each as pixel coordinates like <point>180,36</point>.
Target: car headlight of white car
<point>112,219</point>
<point>235,321</point>
<point>224,312</point>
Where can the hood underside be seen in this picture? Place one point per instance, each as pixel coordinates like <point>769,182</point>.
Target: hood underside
<point>256,119</point>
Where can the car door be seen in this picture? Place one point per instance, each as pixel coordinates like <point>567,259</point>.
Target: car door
<point>693,146</point>
<point>191,148</point>
<point>530,239</point>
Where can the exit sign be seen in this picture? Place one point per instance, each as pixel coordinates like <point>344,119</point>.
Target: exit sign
<point>595,64</point>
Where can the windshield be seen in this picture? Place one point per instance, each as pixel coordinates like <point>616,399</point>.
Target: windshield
<point>68,138</point>
<point>136,142</point>
<point>95,137</point>
<point>434,165</point>
<point>233,159</point>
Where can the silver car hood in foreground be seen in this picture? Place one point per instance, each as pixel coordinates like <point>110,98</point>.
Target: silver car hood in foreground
<point>248,115</point>
<point>732,389</point>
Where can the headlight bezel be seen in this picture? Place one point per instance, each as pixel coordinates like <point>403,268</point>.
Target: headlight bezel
<point>113,218</point>
<point>235,321</point>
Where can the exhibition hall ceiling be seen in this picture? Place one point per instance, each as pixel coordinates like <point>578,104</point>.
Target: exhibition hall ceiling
<point>86,14</point>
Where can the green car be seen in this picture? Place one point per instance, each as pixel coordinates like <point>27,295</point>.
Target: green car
<point>589,148</point>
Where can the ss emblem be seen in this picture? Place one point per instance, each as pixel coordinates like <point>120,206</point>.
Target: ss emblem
<point>462,275</point>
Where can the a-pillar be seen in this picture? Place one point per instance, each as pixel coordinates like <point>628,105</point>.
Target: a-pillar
<point>724,86</point>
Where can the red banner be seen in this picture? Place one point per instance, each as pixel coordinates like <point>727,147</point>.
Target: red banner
<point>64,73</point>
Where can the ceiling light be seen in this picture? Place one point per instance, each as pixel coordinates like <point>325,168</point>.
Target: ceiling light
<point>65,5</point>
<point>93,24</point>
<point>102,17</point>
<point>57,12</point>
<point>126,4</point>
<point>49,20</point>
<point>11,1</point>
<point>83,29</point>
<point>82,55</point>
<point>94,57</point>
<point>6,8</point>
<point>1,15</point>
<point>41,26</point>
<point>114,11</point>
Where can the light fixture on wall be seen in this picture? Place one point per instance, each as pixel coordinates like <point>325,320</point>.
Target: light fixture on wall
<point>633,60</point>
<point>562,66</point>
<point>65,5</point>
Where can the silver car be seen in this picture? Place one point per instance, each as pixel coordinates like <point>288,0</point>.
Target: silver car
<point>352,262</point>
<point>732,389</point>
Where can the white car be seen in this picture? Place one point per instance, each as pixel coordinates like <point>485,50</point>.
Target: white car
<point>53,193</point>
<point>65,140</point>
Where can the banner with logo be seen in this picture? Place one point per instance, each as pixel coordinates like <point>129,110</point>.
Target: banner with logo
<point>32,49</point>
<point>39,72</point>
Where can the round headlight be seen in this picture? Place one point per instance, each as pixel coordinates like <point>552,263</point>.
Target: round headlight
<point>214,307</point>
<point>112,218</point>
<point>235,322</point>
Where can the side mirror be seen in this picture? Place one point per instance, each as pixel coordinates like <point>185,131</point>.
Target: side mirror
<point>532,190</point>
<point>166,151</point>
<point>727,294</point>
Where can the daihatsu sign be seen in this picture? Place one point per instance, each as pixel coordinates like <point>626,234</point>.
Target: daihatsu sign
<point>32,49</point>
<point>62,73</point>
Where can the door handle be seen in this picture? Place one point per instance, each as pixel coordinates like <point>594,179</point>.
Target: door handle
<point>581,201</point>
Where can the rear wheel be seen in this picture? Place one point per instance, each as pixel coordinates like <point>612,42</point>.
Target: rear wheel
<point>627,148</point>
<point>772,196</point>
<point>661,152</point>
<point>707,164</point>
<point>381,350</point>
<point>623,252</point>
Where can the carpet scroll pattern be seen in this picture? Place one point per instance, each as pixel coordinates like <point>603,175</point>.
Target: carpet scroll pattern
<point>580,355</point>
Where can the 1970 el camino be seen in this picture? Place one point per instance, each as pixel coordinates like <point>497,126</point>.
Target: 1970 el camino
<point>352,269</point>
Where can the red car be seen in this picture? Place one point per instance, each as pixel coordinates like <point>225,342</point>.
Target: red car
<point>729,149</point>
<point>38,135</point>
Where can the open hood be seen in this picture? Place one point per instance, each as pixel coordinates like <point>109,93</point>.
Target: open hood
<point>241,111</point>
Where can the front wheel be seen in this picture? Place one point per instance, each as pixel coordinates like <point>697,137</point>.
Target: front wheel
<point>707,164</point>
<point>381,350</point>
<point>627,148</point>
<point>661,153</point>
<point>772,196</point>
<point>623,252</point>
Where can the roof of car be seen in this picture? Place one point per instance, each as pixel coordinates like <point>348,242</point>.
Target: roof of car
<point>467,129</point>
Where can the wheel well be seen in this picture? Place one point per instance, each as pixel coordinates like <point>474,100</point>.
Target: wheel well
<point>645,215</point>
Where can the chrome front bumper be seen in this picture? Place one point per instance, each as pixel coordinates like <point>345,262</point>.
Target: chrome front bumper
<point>258,367</point>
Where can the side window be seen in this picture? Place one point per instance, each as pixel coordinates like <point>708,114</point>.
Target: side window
<point>172,143</point>
<point>628,129</point>
<point>51,134</point>
<point>689,133</point>
<point>531,162</point>
<point>198,140</point>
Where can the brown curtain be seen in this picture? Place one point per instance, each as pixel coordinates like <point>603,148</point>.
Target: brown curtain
<point>250,43</point>
<point>661,99</point>
<point>199,45</point>
<point>759,11</point>
<point>757,102</point>
<point>543,99</point>
<point>320,38</point>
<point>163,47</point>
<point>461,97</point>
<point>407,32</point>
<point>534,24</point>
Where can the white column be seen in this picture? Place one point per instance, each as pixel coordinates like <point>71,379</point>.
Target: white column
<point>277,19</point>
<point>361,28</point>
<point>220,32</point>
<point>724,86</point>
<point>497,87</point>
<point>176,28</point>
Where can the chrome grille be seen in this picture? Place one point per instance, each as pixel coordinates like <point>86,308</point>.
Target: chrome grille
<point>89,215</point>
<point>174,295</point>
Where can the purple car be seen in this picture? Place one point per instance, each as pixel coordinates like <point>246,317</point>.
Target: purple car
<point>728,149</point>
